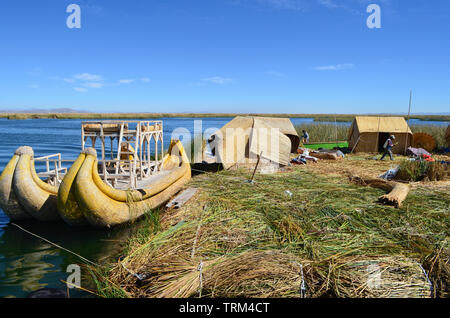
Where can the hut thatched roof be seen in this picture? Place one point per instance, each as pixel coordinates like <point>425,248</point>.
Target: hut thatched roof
<point>382,124</point>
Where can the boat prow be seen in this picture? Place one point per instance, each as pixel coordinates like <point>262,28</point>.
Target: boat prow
<point>85,198</point>
<point>22,193</point>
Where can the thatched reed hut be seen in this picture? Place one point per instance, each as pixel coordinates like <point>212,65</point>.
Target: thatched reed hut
<point>243,139</point>
<point>369,133</point>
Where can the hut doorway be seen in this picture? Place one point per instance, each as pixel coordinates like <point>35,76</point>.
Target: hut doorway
<point>382,137</point>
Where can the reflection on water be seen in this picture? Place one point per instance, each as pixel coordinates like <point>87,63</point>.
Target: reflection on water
<point>3,222</point>
<point>28,263</point>
<point>28,270</point>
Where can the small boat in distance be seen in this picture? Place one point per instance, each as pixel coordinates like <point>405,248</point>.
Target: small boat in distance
<point>136,178</point>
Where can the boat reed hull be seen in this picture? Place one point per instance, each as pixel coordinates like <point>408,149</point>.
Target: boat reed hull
<point>22,194</point>
<point>68,208</point>
<point>8,200</point>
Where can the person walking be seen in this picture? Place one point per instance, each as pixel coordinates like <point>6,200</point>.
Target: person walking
<point>388,147</point>
<point>305,136</point>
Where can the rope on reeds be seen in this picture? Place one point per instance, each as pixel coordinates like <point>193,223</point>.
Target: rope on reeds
<point>197,233</point>
<point>133,197</point>
<point>200,278</point>
<point>130,202</point>
<point>302,284</point>
<point>428,279</point>
<point>138,276</point>
<point>56,245</point>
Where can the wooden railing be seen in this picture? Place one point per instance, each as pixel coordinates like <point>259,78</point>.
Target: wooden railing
<point>57,172</point>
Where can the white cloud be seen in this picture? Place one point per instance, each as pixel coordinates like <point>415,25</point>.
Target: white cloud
<point>352,6</point>
<point>357,7</point>
<point>337,67</point>
<point>84,81</point>
<point>330,4</point>
<point>93,85</point>
<point>126,81</point>
<point>88,77</point>
<point>218,80</point>
<point>275,73</point>
<point>80,82</point>
<point>93,9</point>
<point>34,86</point>
<point>36,71</point>
<point>284,4</point>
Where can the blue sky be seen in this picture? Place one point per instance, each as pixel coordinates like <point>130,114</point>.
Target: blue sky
<point>266,56</point>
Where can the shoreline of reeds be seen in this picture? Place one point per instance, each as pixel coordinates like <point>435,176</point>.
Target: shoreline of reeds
<point>315,117</point>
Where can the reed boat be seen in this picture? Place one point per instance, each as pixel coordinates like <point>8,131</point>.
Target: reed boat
<point>84,197</point>
<point>23,194</point>
<point>101,192</point>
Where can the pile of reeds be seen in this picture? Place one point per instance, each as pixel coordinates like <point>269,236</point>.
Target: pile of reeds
<point>271,273</point>
<point>420,170</point>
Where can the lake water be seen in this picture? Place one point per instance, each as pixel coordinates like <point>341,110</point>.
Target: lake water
<point>28,263</point>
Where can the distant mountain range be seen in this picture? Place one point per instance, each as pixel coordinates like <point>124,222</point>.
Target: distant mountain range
<point>44,111</point>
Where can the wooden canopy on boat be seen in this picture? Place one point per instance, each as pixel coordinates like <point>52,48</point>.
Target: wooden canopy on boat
<point>106,127</point>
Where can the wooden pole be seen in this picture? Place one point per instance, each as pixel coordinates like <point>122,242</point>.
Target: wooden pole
<point>256,167</point>
<point>378,134</point>
<point>335,126</point>
<point>102,138</point>
<point>357,141</point>
<point>82,137</point>
<point>407,121</point>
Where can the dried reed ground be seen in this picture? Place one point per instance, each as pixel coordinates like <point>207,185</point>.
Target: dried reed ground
<point>252,239</point>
